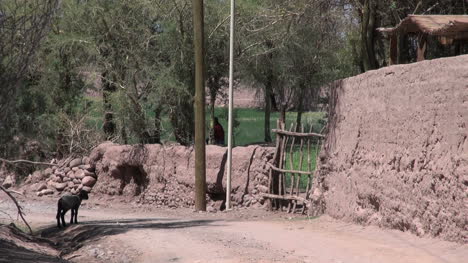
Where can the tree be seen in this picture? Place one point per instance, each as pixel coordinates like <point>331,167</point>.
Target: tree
<point>123,36</point>
<point>176,77</point>
<point>23,25</point>
<point>123,39</point>
<point>258,39</point>
<point>290,48</point>
<point>217,53</point>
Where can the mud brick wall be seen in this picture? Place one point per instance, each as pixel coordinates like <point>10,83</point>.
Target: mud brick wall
<point>396,153</point>
<point>163,175</point>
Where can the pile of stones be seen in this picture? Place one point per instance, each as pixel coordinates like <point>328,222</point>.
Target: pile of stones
<point>69,175</point>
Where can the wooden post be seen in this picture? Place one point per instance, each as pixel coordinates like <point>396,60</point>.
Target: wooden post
<point>317,148</point>
<point>301,158</point>
<point>299,176</point>
<point>200,163</point>
<point>291,162</point>
<point>309,168</point>
<point>422,45</point>
<point>284,175</point>
<point>284,142</point>
<point>291,166</point>
<point>271,180</point>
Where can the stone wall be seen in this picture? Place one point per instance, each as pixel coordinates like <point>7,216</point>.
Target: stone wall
<point>396,153</point>
<point>67,176</point>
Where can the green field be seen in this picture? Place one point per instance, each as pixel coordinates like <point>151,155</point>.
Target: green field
<point>249,130</point>
<point>250,122</point>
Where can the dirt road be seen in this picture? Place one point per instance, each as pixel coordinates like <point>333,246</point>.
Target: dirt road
<point>110,231</point>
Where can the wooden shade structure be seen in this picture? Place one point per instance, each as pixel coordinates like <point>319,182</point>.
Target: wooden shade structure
<point>446,28</point>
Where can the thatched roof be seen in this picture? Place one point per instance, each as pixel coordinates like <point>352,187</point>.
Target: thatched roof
<point>453,26</point>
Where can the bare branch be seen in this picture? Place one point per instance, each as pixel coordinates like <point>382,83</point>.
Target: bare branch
<point>18,206</point>
<point>217,26</point>
<point>26,161</point>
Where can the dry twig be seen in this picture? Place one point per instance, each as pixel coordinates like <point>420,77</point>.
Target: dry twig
<point>26,161</point>
<point>18,206</point>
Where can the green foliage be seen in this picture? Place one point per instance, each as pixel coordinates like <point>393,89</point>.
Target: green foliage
<point>23,25</point>
<point>134,59</point>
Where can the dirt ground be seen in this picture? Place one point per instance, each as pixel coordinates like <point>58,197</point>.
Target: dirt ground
<point>111,230</point>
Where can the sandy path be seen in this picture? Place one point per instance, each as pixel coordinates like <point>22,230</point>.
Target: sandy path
<point>320,240</point>
<point>131,235</point>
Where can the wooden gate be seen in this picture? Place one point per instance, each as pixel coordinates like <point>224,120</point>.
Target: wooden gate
<point>288,171</point>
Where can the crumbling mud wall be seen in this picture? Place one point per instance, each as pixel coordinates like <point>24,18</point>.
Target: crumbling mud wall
<point>396,153</point>
<point>164,175</point>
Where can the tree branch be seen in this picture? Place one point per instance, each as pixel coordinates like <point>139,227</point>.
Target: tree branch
<point>20,209</point>
<point>216,28</point>
<point>26,161</point>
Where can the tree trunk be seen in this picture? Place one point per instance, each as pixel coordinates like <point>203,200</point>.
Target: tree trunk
<point>283,114</point>
<point>274,105</point>
<point>364,24</point>
<point>370,35</point>
<point>267,95</point>
<point>394,49</point>
<point>182,122</point>
<point>123,133</point>
<point>138,120</point>
<point>109,123</point>
<point>157,124</point>
<point>212,112</point>
<point>367,35</point>
<point>65,80</point>
<point>299,116</point>
<point>403,54</point>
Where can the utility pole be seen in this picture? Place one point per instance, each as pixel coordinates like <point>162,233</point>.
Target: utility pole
<point>200,162</point>
<point>231,79</point>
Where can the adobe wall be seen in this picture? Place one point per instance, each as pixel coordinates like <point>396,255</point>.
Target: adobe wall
<point>396,153</point>
<point>163,175</point>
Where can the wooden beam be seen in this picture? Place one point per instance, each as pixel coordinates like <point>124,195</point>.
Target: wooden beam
<point>422,45</point>
<point>289,171</point>
<point>298,134</point>
<point>286,197</point>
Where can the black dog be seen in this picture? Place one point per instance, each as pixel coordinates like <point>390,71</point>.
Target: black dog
<point>68,202</point>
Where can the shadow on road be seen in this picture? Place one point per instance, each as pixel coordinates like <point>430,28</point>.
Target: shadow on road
<point>17,246</point>
<point>9,252</point>
<point>69,239</point>
<point>75,236</point>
